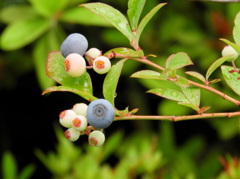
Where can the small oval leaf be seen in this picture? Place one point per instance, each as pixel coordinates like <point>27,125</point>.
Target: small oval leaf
<point>236,29</point>
<point>146,19</point>
<point>182,82</point>
<point>21,33</point>
<point>232,79</point>
<point>111,81</point>
<point>149,74</point>
<point>113,16</point>
<point>135,8</point>
<point>178,60</point>
<point>196,75</point>
<point>216,64</point>
<point>127,52</point>
<point>83,94</point>
<point>169,94</point>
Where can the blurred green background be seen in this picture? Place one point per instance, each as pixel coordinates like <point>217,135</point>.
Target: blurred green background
<point>134,149</point>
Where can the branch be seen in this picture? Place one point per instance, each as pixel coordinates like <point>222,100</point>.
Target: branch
<point>179,118</point>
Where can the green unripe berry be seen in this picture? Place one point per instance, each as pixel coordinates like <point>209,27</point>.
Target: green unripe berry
<point>72,134</point>
<point>80,123</point>
<point>96,138</point>
<point>75,65</point>
<point>101,65</point>
<point>80,108</point>
<point>93,53</point>
<point>66,117</point>
<point>228,50</point>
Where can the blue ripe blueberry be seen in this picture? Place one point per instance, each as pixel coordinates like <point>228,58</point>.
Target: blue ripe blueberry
<point>74,43</point>
<point>100,114</point>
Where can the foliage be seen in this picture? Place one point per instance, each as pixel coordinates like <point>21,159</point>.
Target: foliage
<point>151,156</point>
<point>41,24</point>
<point>10,168</point>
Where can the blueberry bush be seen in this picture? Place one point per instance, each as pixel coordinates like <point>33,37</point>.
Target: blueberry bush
<point>189,74</point>
<point>181,84</point>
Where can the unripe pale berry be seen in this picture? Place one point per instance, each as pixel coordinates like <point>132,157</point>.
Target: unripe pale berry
<point>80,108</point>
<point>80,123</point>
<point>66,117</point>
<point>96,138</point>
<point>72,134</point>
<point>228,50</point>
<point>93,53</point>
<point>100,114</point>
<point>74,43</point>
<point>75,65</point>
<point>101,65</point>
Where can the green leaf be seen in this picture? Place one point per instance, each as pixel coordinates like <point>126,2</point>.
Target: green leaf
<point>111,81</point>
<point>236,29</point>
<point>182,82</point>
<point>216,64</point>
<point>56,71</point>
<point>169,94</point>
<point>146,19</point>
<point>78,15</point>
<point>149,74</point>
<point>9,166</point>
<point>27,172</point>
<point>113,16</point>
<point>127,52</point>
<point>231,78</point>
<point>48,8</point>
<point>178,60</point>
<point>15,13</point>
<point>21,33</point>
<point>135,8</point>
<point>40,52</point>
<point>196,75</point>
<point>233,45</point>
<point>193,95</point>
<point>83,94</point>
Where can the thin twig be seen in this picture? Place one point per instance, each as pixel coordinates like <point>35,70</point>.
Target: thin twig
<point>179,118</point>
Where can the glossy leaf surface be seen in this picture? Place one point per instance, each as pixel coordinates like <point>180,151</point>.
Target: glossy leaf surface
<point>111,81</point>
<point>149,74</point>
<point>178,60</point>
<point>27,31</point>
<point>135,8</point>
<point>113,16</point>
<point>216,64</point>
<point>236,29</point>
<point>56,71</point>
<point>231,78</point>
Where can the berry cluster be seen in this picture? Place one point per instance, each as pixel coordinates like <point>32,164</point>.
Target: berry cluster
<point>99,114</point>
<point>73,48</point>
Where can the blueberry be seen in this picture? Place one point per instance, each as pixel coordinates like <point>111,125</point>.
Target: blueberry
<point>100,114</point>
<point>74,43</point>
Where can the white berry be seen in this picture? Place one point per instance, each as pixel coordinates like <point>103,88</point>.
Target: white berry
<point>75,65</point>
<point>228,50</point>
<point>101,65</point>
<point>72,134</point>
<point>93,53</point>
<point>80,108</point>
<point>80,123</point>
<point>96,138</point>
<point>66,117</point>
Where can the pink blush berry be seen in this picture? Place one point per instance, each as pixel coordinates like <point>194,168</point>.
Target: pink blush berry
<point>79,123</point>
<point>75,65</point>
<point>71,134</point>
<point>101,65</point>
<point>66,117</point>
